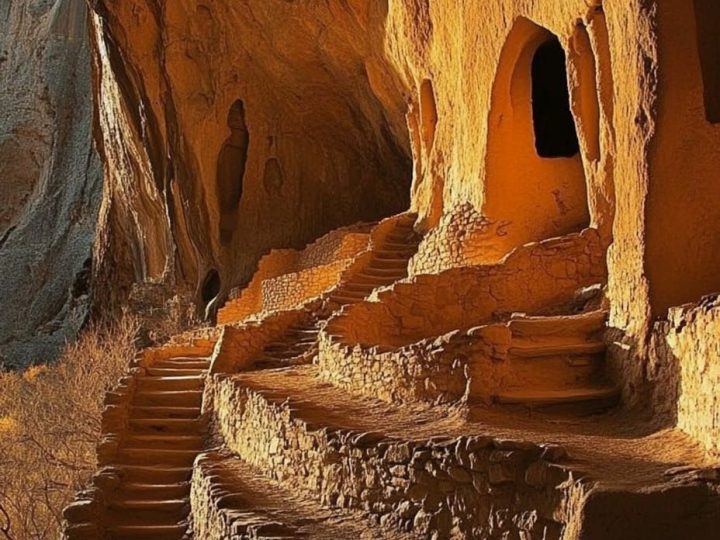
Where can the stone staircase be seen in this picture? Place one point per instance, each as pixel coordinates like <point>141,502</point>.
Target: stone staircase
<point>143,487</point>
<point>557,360</point>
<point>387,264</point>
<point>295,346</point>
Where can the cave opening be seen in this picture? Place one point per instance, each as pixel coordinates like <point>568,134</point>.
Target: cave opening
<point>530,197</point>
<point>553,123</point>
<point>211,286</point>
<point>707,17</point>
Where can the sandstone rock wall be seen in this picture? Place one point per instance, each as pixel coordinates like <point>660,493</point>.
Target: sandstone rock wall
<point>50,177</point>
<point>685,370</point>
<point>320,139</point>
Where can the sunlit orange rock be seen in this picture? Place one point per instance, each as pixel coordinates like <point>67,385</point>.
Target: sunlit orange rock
<point>456,252</point>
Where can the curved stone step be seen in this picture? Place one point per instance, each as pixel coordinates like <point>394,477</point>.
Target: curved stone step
<point>156,532</point>
<point>600,396</point>
<point>170,383</point>
<point>167,425</point>
<point>178,398</point>
<point>140,412</point>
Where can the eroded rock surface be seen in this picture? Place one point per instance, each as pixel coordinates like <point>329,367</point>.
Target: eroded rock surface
<point>50,177</point>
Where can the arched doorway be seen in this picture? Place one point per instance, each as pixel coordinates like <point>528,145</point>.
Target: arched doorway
<point>535,184</point>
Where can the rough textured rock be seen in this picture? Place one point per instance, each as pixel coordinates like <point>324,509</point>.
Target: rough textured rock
<point>50,177</point>
<point>322,143</point>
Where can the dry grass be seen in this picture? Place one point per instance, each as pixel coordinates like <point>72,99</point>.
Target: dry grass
<point>49,427</point>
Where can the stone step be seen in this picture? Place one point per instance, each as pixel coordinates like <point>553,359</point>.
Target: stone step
<point>558,325</point>
<point>172,441</point>
<point>284,346</point>
<point>167,412</point>
<point>155,532</point>
<point>385,264</point>
<point>302,330</point>
<point>388,274</point>
<point>176,426</point>
<point>348,297</point>
<point>362,278</point>
<point>397,246</point>
<point>175,398</point>
<point>597,397</point>
<point>183,364</point>
<point>163,508</point>
<point>163,371</point>
<point>345,300</point>
<point>170,383</point>
<point>407,238</point>
<point>539,350</point>
<point>145,491</point>
<point>155,474</point>
<point>366,288</point>
<point>156,456</point>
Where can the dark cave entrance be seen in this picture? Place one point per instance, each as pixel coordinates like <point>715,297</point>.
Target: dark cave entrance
<point>211,286</point>
<point>555,133</point>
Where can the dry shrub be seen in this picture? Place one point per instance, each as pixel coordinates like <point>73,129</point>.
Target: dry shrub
<point>50,424</point>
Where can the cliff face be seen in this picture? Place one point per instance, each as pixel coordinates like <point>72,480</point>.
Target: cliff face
<point>229,128</point>
<point>50,177</point>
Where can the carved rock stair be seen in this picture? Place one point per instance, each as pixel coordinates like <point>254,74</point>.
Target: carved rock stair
<point>558,361</point>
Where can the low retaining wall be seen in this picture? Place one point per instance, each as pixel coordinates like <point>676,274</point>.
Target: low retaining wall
<point>238,346</point>
<point>291,290</point>
<point>285,278</point>
<point>435,371</point>
<point>466,487</point>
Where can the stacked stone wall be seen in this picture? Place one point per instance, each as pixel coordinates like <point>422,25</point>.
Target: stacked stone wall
<point>290,290</point>
<point>314,269</point>
<point>465,487</point>
<point>463,237</point>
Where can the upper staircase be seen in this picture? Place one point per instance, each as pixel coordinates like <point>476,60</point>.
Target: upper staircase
<point>386,263</point>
